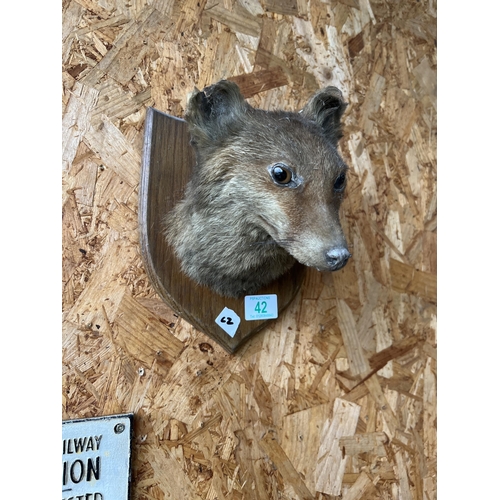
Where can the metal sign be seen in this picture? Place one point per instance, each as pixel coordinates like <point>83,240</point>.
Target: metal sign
<point>96,458</point>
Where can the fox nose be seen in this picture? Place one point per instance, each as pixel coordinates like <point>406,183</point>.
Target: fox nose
<point>337,258</point>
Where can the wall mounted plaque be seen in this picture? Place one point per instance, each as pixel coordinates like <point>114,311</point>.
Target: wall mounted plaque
<point>168,160</point>
<point>96,458</point>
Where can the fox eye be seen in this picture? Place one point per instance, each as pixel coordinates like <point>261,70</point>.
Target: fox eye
<point>280,173</point>
<point>339,183</point>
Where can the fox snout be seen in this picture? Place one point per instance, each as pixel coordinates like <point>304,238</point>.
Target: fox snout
<point>337,257</point>
<point>312,250</point>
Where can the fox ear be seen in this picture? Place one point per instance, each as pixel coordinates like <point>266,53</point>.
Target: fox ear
<point>215,112</point>
<point>325,108</point>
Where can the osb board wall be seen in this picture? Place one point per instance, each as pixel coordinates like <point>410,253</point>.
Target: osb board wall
<point>338,398</point>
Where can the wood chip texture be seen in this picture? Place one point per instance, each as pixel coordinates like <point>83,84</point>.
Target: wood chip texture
<point>337,398</point>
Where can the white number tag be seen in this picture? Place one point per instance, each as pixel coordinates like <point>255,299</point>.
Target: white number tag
<point>261,307</point>
<point>229,321</point>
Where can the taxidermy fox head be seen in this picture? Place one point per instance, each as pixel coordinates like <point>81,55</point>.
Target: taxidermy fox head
<point>266,190</point>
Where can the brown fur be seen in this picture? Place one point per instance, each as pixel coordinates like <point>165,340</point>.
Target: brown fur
<point>240,225</point>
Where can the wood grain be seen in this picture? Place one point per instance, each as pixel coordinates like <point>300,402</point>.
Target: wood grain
<point>260,423</point>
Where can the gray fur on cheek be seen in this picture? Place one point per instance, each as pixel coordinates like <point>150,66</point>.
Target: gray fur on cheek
<point>227,253</point>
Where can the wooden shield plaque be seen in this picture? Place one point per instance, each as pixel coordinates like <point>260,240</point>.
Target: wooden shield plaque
<point>168,160</point>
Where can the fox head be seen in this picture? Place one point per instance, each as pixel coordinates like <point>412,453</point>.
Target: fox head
<point>282,169</point>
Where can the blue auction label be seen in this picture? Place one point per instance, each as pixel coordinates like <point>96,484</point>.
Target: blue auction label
<point>261,307</point>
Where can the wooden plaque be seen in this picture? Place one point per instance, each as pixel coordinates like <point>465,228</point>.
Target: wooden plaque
<point>168,159</point>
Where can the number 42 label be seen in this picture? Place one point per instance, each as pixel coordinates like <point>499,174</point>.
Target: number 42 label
<point>261,307</point>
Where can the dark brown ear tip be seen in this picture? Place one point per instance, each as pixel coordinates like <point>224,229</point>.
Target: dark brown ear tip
<point>221,85</point>
<point>333,103</point>
<point>327,98</point>
<point>335,91</point>
<point>215,110</point>
<point>193,97</point>
<point>195,100</point>
<point>333,97</point>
